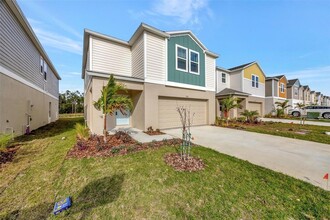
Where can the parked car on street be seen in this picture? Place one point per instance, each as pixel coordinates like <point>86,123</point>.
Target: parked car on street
<point>323,110</point>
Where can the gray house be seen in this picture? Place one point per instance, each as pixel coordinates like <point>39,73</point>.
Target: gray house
<point>28,80</point>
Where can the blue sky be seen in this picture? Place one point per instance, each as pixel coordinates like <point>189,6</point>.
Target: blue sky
<point>290,37</point>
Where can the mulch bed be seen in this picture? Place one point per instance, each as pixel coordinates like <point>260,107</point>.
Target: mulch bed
<point>118,144</point>
<point>154,132</point>
<point>191,164</point>
<point>7,155</point>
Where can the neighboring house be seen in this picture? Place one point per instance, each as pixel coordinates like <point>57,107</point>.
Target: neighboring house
<point>294,92</point>
<point>247,83</point>
<point>28,80</point>
<point>306,95</point>
<point>313,99</point>
<point>161,71</point>
<point>318,97</point>
<point>276,91</point>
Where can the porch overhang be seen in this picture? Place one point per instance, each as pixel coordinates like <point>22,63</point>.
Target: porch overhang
<point>231,92</point>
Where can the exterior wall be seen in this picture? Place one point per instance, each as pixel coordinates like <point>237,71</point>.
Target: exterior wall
<point>247,81</point>
<point>19,55</point>
<point>110,57</point>
<point>269,88</point>
<point>254,70</point>
<point>95,117</point>
<point>138,58</point>
<point>270,105</point>
<point>220,85</point>
<point>210,72</point>
<point>236,81</point>
<point>181,76</point>
<point>14,110</point>
<point>152,93</point>
<point>289,91</point>
<point>260,91</point>
<point>155,58</point>
<point>301,93</point>
<point>282,94</point>
<point>294,102</point>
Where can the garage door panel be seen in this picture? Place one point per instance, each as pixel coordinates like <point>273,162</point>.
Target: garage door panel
<point>168,117</point>
<point>255,106</point>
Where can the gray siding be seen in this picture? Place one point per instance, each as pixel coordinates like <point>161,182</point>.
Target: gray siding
<point>18,53</point>
<point>269,88</point>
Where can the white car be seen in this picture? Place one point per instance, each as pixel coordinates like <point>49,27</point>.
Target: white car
<point>323,110</point>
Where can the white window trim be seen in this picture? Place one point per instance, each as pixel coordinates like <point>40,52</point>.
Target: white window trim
<point>45,71</point>
<point>41,64</point>
<point>176,58</point>
<point>225,78</point>
<point>190,61</point>
<point>282,89</point>
<point>255,81</point>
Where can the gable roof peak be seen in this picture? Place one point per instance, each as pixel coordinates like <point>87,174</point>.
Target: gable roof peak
<point>242,66</point>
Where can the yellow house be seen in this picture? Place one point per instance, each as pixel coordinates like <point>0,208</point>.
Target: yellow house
<point>246,82</point>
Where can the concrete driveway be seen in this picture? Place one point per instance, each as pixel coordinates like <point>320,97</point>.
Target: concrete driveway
<point>305,160</point>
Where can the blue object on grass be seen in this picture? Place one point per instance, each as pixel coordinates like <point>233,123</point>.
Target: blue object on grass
<point>62,205</point>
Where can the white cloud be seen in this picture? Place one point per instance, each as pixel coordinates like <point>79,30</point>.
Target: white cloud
<point>58,41</point>
<point>185,12</point>
<point>317,73</point>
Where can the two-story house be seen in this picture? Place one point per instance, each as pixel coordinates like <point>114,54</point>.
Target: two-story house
<point>245,82</point>
<point>294,92</point>
<point>161,71</point>
<point>318,98</point>
<point>29,83</point>
<point>306,95</point>
<point>276,91</point>
<point>313,98</point>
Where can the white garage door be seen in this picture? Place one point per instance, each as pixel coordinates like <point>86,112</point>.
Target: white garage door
<point>255,106</point>
<point>168,117</point>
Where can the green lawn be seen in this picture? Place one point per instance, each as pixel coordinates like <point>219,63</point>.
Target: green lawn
<point>142,186</point>
<point>314,133</point>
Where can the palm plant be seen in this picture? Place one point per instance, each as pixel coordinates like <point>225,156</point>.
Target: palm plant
<point>110,101</point>
<point>281,106</point>
<point>228,104</point>
<point>250,115</point>
<point>300,106</point>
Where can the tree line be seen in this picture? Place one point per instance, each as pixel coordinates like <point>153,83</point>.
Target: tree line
<point>71,102</point>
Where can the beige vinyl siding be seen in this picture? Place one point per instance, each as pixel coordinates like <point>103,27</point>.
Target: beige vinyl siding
<point>138,58</point>
<point>168,117</point>
<point>156,57</point>
<point>18,53</point>
<point>210,72</point>
<point>110,57</point>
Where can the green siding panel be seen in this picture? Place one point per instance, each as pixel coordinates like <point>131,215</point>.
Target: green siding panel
<point>181,76</point>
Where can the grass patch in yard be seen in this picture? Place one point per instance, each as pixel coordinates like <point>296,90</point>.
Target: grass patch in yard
<point>312,132</point>
<point>142,186</point>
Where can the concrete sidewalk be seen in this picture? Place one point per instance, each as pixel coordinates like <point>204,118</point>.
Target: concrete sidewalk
<point>305,160</point>
<point>319,123</point>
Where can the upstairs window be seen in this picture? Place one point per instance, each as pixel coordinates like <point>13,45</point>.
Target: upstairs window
<point>194,62</point>
<point>223,78</point>
<point>282,88</point>
<point>255,81</point>
<point>181,58</point>
<point>41,65</point>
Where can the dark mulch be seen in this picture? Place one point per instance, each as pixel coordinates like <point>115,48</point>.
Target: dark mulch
<point>7,155</point>
<point>118,144</point>
<point>154,132</point>
<point>191,164</point>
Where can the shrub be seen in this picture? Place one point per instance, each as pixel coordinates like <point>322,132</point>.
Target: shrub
<point>4,141</point>
<point>115,150</point>
<point>241,119</point>
<point>82,132</point>
<point>313,115</point>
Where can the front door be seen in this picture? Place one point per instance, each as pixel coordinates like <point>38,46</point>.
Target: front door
<point>122,119</point>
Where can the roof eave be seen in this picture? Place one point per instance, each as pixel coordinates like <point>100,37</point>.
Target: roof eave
<point>28,29</point>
